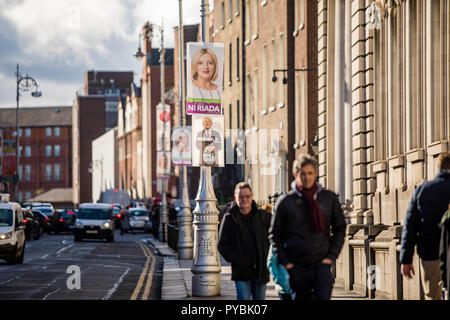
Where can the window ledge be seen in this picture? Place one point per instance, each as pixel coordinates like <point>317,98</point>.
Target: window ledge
<point>230,20</point>
<point>379,166</point>
<point>255,36</point>
<point>247,42</point>
<point>415,155</point>
<point>222,27</point>
<point>237,14</point>
<point>263,3</point>
<point>295,33</point>
<point>280,105</point>
<point>264,112</point>
<point>396,161</point>
<point>272,108</point>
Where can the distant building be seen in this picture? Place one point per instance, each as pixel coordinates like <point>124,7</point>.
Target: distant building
<point>45,141</point>
<point>104,164</point>
<point>93,114</point>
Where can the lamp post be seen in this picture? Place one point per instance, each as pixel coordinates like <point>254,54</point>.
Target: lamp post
<point>184,216</point>
<point>23,83</point>
<point>206,265</point>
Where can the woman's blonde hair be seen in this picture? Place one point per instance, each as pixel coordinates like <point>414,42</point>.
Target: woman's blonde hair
<point>195,59</point>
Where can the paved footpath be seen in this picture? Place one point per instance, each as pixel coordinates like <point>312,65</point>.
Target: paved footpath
<point>177,279</point>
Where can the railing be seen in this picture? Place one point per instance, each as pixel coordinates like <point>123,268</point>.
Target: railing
<point>172,236</point>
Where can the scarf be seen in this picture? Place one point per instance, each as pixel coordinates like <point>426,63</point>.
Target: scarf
<point>318,220</point>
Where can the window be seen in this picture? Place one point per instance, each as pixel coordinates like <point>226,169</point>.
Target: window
<point>238,114</point>
<point>255,99</point>
<point>48,172</point>
<point>20,151</point>
<point>255,19</point>
<point>20,132</point>
<point>27,173</point>
<point>237,7</point>
<point>27,132</point>
<point>57,131</point>
<point>48,151</point>
<point>48,132</point>
<point>231,111</point>
<point>264,77</point>
<point>222,20</point>
<point>230,69</point>
<point>237,60</point>
<point>247,22</point>
<point>20,197</point>
<point>27,195</point>
<point>27,151</point>
<point>230,10</point>
<point>57,151</point>
<point>57,172</point>
<point>272,67</point>
<point>20,172</point>
<point>111,105</point>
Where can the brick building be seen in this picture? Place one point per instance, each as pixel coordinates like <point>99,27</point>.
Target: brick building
<point>93,114</point>
<point>279,117</point>
<point>151,97</point>
<point>45,148</point>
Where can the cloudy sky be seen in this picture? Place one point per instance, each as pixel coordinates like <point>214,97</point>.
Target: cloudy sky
<point>57,41</point>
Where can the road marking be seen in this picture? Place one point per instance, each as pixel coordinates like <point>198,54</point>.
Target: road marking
<point>45,298</point>
<point>149,281</point>
<point>116,285</point>
<point>59,252</point>
<point>43,257</point>
<point>143,274</point>
<point>5,282</point>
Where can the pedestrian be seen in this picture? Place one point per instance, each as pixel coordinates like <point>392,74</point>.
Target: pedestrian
<point>421,227</point>
<point>243,241</point>
<point>300,232</point>
<point>444,251</point>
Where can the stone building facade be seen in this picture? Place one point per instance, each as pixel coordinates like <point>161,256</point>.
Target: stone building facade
<point>383,119</point>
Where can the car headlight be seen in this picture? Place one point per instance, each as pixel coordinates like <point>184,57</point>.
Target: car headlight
<point>5,236</point>
<point>106,225</point>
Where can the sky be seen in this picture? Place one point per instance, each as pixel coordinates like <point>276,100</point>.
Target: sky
<point>57,41</point>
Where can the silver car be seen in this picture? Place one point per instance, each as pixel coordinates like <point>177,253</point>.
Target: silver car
<point>94,221</point>
<point>137,219</point>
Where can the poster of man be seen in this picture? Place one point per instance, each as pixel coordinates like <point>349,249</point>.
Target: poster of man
<point>181,147</point>
<point>163,165</point>
<point>208,144</point>
<point>163,127</point>
<point>204,78</point>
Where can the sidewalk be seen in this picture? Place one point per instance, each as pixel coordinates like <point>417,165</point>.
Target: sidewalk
<point>177,279</point>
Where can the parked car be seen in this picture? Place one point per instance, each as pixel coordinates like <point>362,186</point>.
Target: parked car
<point>138,219</point>
<point>12,231</point>
<point>62,220</point>
<point>33,227</point>
<point>94,220</point>
<point>43,219</point>
<point>48,211</point>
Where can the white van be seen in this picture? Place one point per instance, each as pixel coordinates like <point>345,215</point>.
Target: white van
<point>12,231</point>
<point>95,221</point>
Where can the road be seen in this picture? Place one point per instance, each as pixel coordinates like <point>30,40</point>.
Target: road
<point>56,267</point>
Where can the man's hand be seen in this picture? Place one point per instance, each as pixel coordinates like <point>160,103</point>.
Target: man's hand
<point>327,261</point>
<point>407,270</point>
<point>289,266</point>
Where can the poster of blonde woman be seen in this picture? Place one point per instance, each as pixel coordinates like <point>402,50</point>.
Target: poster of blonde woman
<point>181,147</point>
<point>207,141</point>
<point>204,78</point>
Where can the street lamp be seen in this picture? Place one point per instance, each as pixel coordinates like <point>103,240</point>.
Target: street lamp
<point>146,33</point>
<point>23,83</point>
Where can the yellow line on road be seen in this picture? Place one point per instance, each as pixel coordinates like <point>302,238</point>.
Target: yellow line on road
<point>143,273</point>
<point>149,281</point>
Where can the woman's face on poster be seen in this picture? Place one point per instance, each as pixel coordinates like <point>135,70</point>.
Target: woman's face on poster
<point>205,67</point>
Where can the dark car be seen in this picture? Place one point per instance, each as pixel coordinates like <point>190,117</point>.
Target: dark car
<point>62,220</point>
<point>33,227</point>
<point>43,219</point>
<point>48,211</point>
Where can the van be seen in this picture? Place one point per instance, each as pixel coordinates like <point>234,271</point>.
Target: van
<point>115,196</point>
<point>12,231</point>
<point>94,221</point>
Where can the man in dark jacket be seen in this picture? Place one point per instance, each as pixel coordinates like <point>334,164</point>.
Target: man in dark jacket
<point>243,241</point>
<point>426,208</point>
<point>300,233</point>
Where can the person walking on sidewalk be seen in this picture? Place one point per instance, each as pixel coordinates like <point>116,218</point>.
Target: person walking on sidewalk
<point>300,232</point>
<point>243,241</point>
<point>444,251</point>
<point>426,208</point>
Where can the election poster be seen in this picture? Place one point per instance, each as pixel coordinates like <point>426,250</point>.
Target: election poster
<point>181,146</point>
<point>207,141</point>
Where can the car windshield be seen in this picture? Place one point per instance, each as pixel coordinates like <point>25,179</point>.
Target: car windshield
<point>138,213</point>
<point>94,213</point>
<point>46,210</point>
<point>6,217</point>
